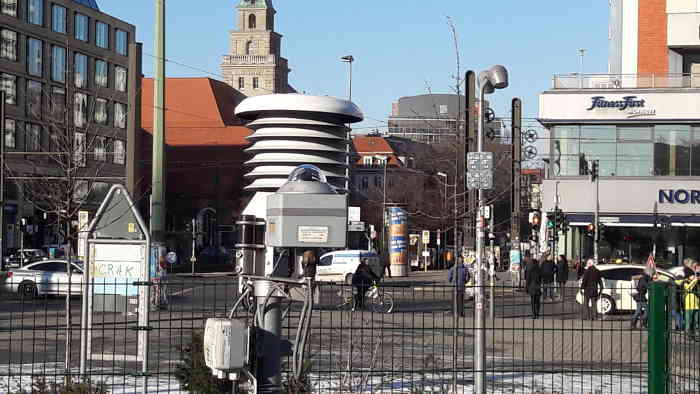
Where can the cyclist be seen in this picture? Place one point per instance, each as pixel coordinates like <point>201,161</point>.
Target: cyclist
<point>362,279</point>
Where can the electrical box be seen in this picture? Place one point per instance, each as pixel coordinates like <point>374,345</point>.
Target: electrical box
<point>226,344</point>
<point>300,220</point>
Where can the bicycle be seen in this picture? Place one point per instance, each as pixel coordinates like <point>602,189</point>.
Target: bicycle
<point>379,300</point>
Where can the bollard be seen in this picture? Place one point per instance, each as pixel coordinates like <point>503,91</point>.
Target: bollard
<point>657,361</point>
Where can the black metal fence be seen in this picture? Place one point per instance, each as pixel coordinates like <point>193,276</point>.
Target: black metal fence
<point>420,346</point>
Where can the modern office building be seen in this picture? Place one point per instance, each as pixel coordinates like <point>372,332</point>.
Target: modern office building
<point>254,64</point>
<point>641,123</point>
<point>70,73</point>
<point>427,118</point>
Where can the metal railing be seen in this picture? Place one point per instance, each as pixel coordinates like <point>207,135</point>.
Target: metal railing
<point>625,81</point>
<point>418,347</point>
<point>248,59</point>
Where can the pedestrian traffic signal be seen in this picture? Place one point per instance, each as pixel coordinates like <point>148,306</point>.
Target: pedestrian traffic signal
<point>590,229</point>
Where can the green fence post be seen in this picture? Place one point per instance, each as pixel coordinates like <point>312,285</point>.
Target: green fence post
<point>658,339</point>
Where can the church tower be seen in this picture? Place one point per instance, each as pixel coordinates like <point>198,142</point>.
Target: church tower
<point>254,65</point>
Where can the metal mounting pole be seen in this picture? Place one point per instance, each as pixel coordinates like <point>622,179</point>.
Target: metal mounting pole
<point>479,321</point>
<point>270,362</point>
<point>492,268</point>
<point>597,209</point>
<point>2,181</point>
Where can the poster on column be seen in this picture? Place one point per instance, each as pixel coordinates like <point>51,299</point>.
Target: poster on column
<point>398,236</point>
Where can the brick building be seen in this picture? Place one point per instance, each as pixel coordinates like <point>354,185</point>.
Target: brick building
<point>204,151</point>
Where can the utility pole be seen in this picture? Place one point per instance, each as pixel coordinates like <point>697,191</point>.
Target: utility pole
<point>470,129</point>
<point>157,182</point>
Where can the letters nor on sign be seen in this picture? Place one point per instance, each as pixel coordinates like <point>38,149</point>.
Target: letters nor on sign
<point>312,234</point>
<point>115,269</point>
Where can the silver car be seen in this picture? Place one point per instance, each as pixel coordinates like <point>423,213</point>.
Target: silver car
<point>48,277</point>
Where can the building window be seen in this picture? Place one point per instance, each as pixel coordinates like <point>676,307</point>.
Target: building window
<point>34,57</point>
<point>241,83</point>
<point>32,137</point>
<point>10,133</point>
<point>79,149</point>
<point>58,104</point>
<point>120,78</point>
<point>119,152</point>
<point>120,115</point>
<point>35,12</point>
<point>33,99</point>
<point>101,111</point>
<point>8,84</point>
<point>81,27</point>
<point>80,110</point>
<point>365,183</point>
<point>250,48</point>
<point>99,150</point>
<point>377,181</point>
<point>58,18</point>
<point>80,71</point>
<point>367,160</point>
<point>251,21</point>
<point>122,42</point>
<point>54,139</point>
<point>101,73</point>
<point>58,64</point>
<point>8,50</point>
<point>672,150</point>
<point>255,82</point>
<point>9,7</point>
<point>102,35</point>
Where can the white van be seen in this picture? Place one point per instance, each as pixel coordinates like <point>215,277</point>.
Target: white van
<point>341,265</point>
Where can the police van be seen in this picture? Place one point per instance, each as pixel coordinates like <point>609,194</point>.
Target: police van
<point>340,265</point>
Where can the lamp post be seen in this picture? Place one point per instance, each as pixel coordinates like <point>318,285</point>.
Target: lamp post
<point>444,175</point>
<point>348,59</point>
<point>494,78</point>
<point>384,160</point>
<point>581,54</point>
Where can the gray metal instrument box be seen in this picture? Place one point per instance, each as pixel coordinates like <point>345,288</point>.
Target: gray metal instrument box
<point>300,220</point>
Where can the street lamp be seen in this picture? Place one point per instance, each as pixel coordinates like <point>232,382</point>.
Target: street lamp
<point>348,59</point>
<point>444,175</point>
<point>489,80</point>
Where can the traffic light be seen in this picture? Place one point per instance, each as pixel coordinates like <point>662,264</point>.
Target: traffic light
<point>590,229</point>
<point>594,170</point>
<point>534,220</point>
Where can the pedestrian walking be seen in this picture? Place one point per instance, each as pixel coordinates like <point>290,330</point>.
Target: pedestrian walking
<point>547,271</point>
<point>640,297</point>
<point>387,265</point>
<point>562,275</point>
<point>459,275</point>
<point>675,295</point>
<point>533,286</point>
<point>692,304</point>
<point>362,279</point>
<point>592,286</point>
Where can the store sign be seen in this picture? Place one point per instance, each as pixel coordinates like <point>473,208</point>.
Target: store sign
<point>633,106</point>
<point>679,196</point>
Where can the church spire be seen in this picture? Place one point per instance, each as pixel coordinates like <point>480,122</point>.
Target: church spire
<point>256,4</point>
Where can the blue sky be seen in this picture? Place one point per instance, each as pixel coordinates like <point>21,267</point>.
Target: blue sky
<point>400,46</point>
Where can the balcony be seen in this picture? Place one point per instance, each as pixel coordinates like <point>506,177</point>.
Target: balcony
<point>243,60</point>
<point>625,81</point>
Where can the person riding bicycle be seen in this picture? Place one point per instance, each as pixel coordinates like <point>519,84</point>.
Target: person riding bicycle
<point>362,279</point>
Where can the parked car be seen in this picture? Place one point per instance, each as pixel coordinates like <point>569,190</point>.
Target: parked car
<point>341,265</point>
<point>23,257</point>
<point>618,284</point>
<point>44,277</point>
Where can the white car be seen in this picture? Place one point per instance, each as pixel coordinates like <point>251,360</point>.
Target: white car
<point>44,277</point>
<point>618,285</point>
<point>341,265</point>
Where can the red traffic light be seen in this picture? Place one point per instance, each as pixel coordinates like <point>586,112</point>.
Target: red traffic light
<point>536,220</point>
<point>590,227</point>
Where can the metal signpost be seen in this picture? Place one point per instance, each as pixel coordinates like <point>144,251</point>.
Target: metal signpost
<point>118,270</point>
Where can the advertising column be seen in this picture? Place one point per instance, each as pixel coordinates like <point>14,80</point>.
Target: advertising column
<point>398,241</point>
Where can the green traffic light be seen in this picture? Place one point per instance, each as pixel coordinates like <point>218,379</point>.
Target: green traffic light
<point>550,224</point>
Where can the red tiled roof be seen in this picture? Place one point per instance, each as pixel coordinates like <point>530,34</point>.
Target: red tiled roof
<point>374,146</point>
<point>199,112</point>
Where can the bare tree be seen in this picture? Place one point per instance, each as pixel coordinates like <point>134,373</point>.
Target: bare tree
<point>73,151</point>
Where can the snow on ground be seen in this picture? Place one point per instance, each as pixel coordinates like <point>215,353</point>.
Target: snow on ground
<point>20,376</point>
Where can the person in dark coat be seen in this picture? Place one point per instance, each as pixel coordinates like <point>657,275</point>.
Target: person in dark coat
<point>592,286</point>
<point>547,271</point>
<point>362,280</point>
<point>533,286</point>
<point>562,275</point>
<point>640,296</point>
<point>459,275</point>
